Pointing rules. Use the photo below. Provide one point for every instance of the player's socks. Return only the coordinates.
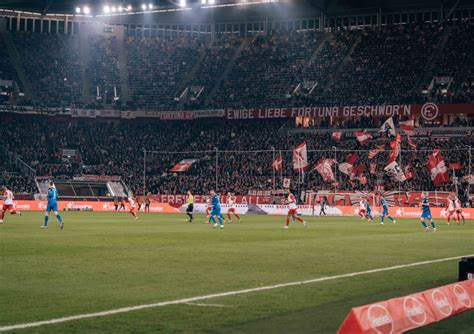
(433, 225)
(46, 218)
(212, 220)
(221, 222)
(238, 217)
(288, 220)
(59, 218)
(383, 220)
(424, 225)
(190, 217)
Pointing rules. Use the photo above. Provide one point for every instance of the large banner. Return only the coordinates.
(429, 111)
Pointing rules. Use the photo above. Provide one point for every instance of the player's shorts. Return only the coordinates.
(458, 210)
(292, 212)
(385, 212)
(369, 212)
(362, 212)
(52, 206)
(451, 212)
(8, 207)
(216, 211)
(190, 208)
(426, 214)
(231, 210)
(133, 210)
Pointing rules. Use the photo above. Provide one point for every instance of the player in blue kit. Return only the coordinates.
(216, 210)
(384, 205)
(426, 213)
(368, 212)
(52, 206)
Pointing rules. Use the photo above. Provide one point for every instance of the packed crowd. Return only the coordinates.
(52, 64)
(346, 67)
(116, 148)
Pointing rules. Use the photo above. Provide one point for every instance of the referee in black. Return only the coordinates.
(190, 208)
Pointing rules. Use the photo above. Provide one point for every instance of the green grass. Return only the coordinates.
(104, 261)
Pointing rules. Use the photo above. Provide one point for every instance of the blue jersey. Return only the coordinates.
(215, 201)
(425, 206)
(367, 206)
(52, 194)
(384, 204)
(52, 200)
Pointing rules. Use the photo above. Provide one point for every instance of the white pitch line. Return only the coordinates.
(206, 305)
(216, 295)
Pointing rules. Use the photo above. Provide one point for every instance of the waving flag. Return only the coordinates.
(408, 126)
(408, 172)
(388, 128)
(324, 167)
(395, 145)
(411, 143)
(363, 137)
(278, 163)
(346, 167)
(373, 152)
(183, 165)
(395, 172)
(455, 165)
(300, 158)
(336, 136)
(437, 168)
(373, 168)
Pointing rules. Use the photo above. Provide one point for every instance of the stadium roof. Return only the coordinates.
(328, 6)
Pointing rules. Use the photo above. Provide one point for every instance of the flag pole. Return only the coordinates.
(273, 169)
(217, 167)
(281, 169)
(144, 171)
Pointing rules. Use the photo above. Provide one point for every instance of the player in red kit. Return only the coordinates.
(458, 206)
(293, 211)
(231, 199)
(133, 206)
(8, 204)
(450, 208)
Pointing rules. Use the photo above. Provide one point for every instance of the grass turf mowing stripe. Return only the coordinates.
(217, 295)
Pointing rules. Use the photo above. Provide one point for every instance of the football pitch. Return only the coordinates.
(107, 261)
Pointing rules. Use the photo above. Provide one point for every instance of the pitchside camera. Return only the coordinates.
(466, 268)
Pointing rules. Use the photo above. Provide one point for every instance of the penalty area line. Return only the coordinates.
(217, 295)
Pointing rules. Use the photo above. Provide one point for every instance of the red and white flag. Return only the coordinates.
(373, 168)
(278, 163)
(411, 143)
(437, 168)
(300, 158)
(408, 172)
(183, 165)
(395, 145)
(455, 165)
(336, 136)
(286, 183)
(346, 167)
(408, 126)
(395, 172)
(363, 137)
(324, 167)
(373, 152)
